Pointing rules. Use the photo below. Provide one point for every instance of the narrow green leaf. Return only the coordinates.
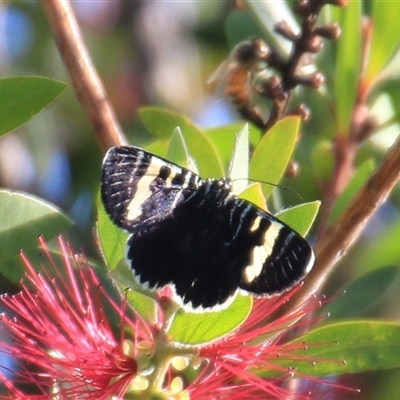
(23, 97)
(112, 240)
(322, 160)
(200, 328)
(223, 138)
(348, 64)
(349, 347)
(23, 218)
(361, 293)
(272, 155)
(254, 194)
(356, 183)
(385, 36)
(239, 168)
(300, 217)
(161, 123)
(177, 149)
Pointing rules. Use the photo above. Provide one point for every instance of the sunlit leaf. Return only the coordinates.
(239, 168)
(272, 155)
(177, 149)
(199, 328)
(300, 217)
(255, 195)
(23, 97)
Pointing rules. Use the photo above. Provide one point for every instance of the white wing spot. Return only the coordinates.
(261, 253)
(256, 224)
(253, 270)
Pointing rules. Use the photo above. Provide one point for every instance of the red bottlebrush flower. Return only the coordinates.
(60, 335)
(64, 344)
(234, 367)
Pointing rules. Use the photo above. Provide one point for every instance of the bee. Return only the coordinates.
(238, 73)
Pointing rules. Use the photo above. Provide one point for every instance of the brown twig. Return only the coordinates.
(346, 144)
(85, 81)
(347, 228)
(307, 41)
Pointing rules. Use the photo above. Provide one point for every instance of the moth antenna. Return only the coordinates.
(272, 184)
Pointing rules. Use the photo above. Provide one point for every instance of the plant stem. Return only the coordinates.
(85, 80)
(348, 227)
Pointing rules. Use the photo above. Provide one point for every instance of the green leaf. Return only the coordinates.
(112, 240)
(239, 168)
(177, 149)
(139, 298)
(199, 328)
(272, 155)
(241, 25)
(322, 160)
(23, 218)
(385, 20)
(361, 293)
(348, 64)
(269, 13)
(357, 181)
(223, 140)
(383, 250)
(348, 347)
(300, 217)
(23, 97)
(161, 123)
(254, 194)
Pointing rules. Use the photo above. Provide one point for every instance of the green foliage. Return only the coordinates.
(362, 293)
(300, 217)
(350, 347)
(23, 219)
(23, 97)
(348, 63)
(355, 184)
(272, 155)
(385, 37)
(161, 123)
(140, 300)
(222, 139)
(200, 328)
(111, 239)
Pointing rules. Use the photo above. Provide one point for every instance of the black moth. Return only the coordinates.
(195, 234)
